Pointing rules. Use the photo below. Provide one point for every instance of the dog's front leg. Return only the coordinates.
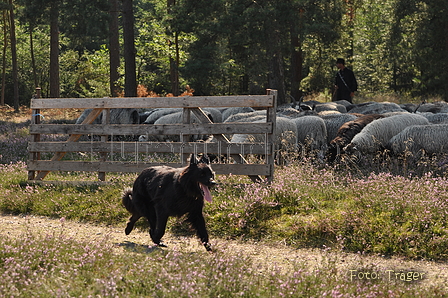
(198, 222)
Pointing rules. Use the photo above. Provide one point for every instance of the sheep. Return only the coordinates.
(358, 105)
(430, 138)
(158, 113)
(334, 121)
(330, 106)
(377, 133)
(377, 108)
(347, 132)
(289, 113)
(242, 117)
(235, 110)
(343, 102)
(117, 116)
(436, 118)
(215, 115)
(285, 134)
(325, 113)
(143, 115)
(311, 133)
(176, 118)
(410, 107)
(389, 114)
(435, 107)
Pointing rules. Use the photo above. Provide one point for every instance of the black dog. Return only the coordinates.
(161, 191)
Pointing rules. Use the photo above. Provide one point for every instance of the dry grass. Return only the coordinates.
(265, 256)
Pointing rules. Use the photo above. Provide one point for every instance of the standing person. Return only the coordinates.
(345, 82)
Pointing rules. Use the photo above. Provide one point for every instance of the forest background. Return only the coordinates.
(97, 48)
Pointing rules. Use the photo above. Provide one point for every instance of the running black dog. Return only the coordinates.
(161, 191)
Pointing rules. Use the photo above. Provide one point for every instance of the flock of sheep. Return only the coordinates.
(328, 129)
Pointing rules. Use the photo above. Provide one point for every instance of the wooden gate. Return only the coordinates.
(104, 146)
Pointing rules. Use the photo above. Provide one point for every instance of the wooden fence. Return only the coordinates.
(105, 146)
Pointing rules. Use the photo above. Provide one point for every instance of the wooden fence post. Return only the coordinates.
(271, 117)
(186, 119)
(35, 119)
(103, 155)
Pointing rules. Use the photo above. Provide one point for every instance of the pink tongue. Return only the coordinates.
(207, 194)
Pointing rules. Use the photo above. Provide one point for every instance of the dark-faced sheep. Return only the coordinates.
(377, 133)
(430, 138)
(347, 132)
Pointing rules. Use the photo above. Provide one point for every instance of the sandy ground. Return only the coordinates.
(349, 264)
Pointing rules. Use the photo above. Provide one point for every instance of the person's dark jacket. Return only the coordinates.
(344, 91)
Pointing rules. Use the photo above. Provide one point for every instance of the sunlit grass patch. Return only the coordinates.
(55, 265)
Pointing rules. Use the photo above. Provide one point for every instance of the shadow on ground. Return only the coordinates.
(139, 248)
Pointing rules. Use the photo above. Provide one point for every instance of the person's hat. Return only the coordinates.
(340, 61)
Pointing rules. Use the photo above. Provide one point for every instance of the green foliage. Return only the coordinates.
(84, 76)
(243, 47)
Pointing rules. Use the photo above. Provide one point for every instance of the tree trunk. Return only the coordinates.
(174, 61)
(296, 58)
(114, 48)
(351, 28)
(174, 67)
(54, 50)
(33, 60)
(5, 45)
(15, 71)
(446, 64)
(130, 81)
(276, 78)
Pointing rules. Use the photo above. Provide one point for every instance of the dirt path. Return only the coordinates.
(280, 255)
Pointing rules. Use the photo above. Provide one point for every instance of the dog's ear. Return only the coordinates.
(193, 160)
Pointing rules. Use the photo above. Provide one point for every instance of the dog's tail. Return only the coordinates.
(127, 201)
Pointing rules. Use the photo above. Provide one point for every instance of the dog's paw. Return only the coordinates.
(208, 246)
(160, 244)
(128, 229)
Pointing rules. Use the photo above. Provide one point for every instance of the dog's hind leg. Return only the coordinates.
(131, 222)
(198, 222)
(152, 220)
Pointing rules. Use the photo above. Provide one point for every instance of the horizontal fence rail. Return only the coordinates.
(151, 147)
(153, 129)
(254, 101)
(103, 148)
(131, 167)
